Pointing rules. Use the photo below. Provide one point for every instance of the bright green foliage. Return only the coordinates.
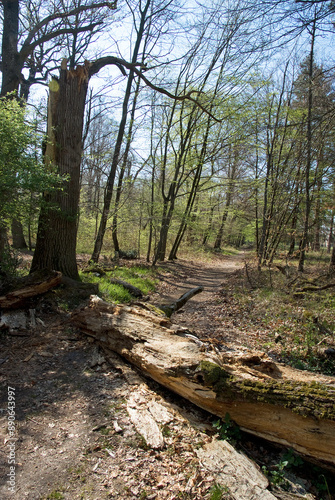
(228, 430)
(217, 492)
(21, 169)
(140, 277)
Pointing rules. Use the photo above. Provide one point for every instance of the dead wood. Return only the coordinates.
(235, 470)
(314, 288)
(35, 284)
(169, 309)
(266, 399)
(136, 292)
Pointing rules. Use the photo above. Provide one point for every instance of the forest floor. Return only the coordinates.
(74, 438)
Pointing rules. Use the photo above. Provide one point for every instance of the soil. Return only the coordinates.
(73, 437)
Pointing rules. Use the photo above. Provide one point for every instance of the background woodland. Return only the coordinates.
(144, 128)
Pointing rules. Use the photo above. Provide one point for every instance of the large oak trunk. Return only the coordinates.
(57, 228)
(269, 400)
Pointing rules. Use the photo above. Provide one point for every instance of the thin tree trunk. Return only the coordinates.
(209, 227)
(332, 260)
(304, 241)
(317, 231)
(151, 211)
(166, 220)
(330, 237)
(187, 213)
(192, 195)
(123, 169)
(111, 178)
(219, 236)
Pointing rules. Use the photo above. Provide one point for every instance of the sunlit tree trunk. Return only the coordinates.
(123, 169)
(57, 229)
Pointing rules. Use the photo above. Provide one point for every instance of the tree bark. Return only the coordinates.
(57, 228)
(117, 150)
(272, 401)
(179, 303)
(11, 65)
(17, 235)
(136, 292)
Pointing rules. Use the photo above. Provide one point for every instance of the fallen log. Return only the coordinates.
(270, 400)
(136, 292)
(30, 286)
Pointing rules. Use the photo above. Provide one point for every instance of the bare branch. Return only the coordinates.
(28, 49)
(121, 63)
(65, 15)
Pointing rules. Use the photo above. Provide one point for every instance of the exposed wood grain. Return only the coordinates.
(269, 400)
(235, 470)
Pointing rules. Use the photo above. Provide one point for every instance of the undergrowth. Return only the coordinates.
(300, 323)
(141, 277)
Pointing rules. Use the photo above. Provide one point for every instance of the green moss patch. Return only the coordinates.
(307, 399)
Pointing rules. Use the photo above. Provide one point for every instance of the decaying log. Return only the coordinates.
(275, 402)
(169, 309)
(136, 292)
(36, 283)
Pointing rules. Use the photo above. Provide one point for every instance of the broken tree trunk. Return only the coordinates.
(269, 400)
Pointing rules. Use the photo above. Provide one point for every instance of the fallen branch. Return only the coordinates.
(30, 286)
(136, 292)
(266, 399)
(314, 288)
(169, 309)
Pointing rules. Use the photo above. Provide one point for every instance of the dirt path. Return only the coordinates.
(210, 275)
(208, 314)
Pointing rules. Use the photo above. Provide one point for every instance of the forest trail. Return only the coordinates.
(190, 274)
(206, 314)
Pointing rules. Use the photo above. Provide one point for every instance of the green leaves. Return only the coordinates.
(21, 169)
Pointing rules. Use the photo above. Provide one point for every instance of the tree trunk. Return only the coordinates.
(3, 246)
(304, 242)
(209, 226)
(11, 66)
(332, 261)
(165, 225)
(17, 235)
(123, 168)
(116, 156)
(319, 182)
(57, 228)
(330, 236)
(272, 401)
(219, 236)
(187, 213)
